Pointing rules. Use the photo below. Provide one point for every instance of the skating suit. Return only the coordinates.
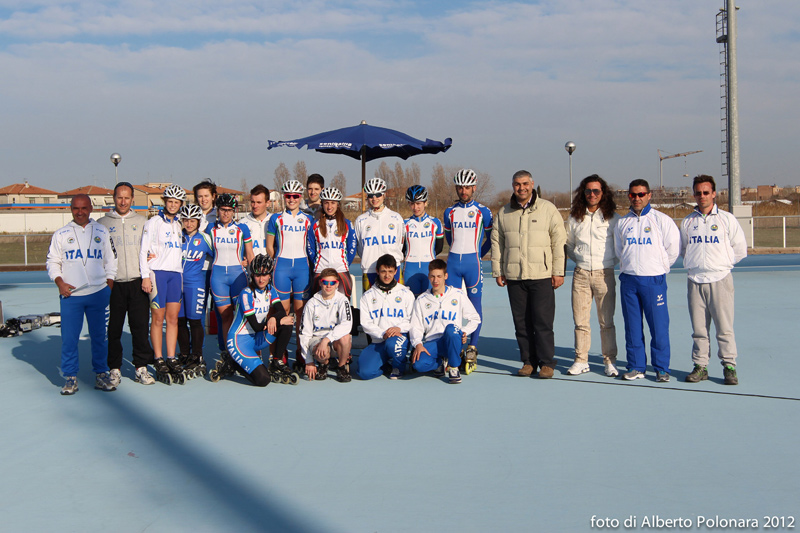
(437, 323)
(333, 251)
(422, 240)
(467, 228)
(378, 233)
(243, 342)
(196, 249)
(258, 232)
(381, 310)
(161, 239)
(228, 276)
(292, 265)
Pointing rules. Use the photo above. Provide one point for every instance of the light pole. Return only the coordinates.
(570, 147)
(116, 158)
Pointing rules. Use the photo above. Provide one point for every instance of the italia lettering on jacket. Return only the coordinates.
(97, 253)
(640, 240)
(448, 316)
(391, 312)
(382, 239)
(703, 239)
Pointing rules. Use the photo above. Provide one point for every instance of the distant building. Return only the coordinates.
(765, 192)
(25, 193)
(100, 197)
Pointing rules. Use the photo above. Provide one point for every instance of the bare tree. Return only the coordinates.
(299, 172)
(485, 187)
(281, 176)
(340, 182)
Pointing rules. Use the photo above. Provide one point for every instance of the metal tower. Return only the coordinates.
(729, 111)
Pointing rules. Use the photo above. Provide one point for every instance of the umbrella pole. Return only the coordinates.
(363, 177)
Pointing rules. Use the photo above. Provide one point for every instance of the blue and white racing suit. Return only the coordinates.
(423, 242)
(292, 265)
(467, 228)
(243, 342)
(228, 276)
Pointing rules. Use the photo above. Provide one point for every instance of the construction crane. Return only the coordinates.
(661, 159)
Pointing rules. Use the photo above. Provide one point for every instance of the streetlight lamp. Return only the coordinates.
(570, 147)
(116, 158)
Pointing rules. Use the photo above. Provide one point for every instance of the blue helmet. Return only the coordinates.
(417, 193)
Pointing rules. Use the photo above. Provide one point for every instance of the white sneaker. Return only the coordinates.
(143, 376)
(395, 374)
(103, 382)
(611, 370)
(116, 376)
(578, 368)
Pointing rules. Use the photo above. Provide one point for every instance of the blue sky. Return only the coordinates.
(189, 90)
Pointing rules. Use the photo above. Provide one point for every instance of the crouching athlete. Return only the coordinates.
(259, 320)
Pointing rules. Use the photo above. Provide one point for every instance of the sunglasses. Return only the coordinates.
(329, 283)
(596, 192)
(639, 194)
(375, 195)
(702, 193)
(292, 196)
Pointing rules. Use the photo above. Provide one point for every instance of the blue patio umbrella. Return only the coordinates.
(366, 143)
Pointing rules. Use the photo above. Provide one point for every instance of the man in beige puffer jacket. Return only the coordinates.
(528, 256)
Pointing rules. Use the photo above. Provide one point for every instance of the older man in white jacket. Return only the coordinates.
(82, 263)
(590, 244)
(712, 241)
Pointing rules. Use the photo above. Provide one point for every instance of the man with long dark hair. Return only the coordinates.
(590, 244)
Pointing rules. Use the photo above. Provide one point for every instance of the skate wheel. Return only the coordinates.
(213, 376)
(470, 367)
(293, 379)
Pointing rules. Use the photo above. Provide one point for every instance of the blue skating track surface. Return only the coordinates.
(496, 453)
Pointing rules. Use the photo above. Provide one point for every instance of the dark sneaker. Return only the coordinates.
(342, 374)
(440, 371)
(662, 377)
(700, 373)
(730, 375)
(104, 383)
(322, 372)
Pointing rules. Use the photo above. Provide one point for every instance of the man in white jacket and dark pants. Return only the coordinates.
(327, 321)
(712, 241)
(647, 243)
(590, 244)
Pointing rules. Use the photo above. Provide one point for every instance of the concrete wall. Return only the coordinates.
(37, 222)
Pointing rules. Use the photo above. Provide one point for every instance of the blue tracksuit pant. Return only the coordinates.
(645, 295)
(392, 350)
(447, 346)
(73, 309)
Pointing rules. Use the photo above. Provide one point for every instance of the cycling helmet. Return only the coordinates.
(226, 200)
(329, 193)
(292, 187)
(465, 177)
(174, 191)
(417, 193)
(191, 211)
(261, 265)
(375, 186)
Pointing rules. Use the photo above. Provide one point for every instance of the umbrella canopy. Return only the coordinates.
(366, 143)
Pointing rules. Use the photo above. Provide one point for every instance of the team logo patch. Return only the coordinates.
(426, 225)
(374, 301)
(471, 214)
(231, 231)
(369, 228)
(197, 242)
(454, 301)
(714, 227)
(134, 227)
(398, 299)
(97, 239)
(70, 240)
(427, 306)
(391, 226)
(647, 229)
(474, 290)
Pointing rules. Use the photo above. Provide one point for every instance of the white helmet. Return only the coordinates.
(329, 193)
(292, 187)
(375, 186)
(191, 211)
(465, 177)
(174, 191)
